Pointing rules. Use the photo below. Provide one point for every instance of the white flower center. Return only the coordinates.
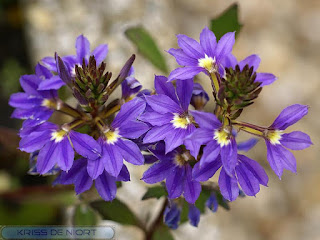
(208, 63)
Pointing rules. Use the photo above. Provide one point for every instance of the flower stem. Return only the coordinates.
(250, 128)
(156, 224)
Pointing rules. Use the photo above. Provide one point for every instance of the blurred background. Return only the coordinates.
(285, 34)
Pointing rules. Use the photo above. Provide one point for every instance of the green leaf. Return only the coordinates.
(226, 22)
(147, 46)
(155, 192)
(84, 215)
(115, 211)
(163, 232)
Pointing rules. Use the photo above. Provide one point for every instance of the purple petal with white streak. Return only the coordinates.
(130, 152)
(182, 58)
(48, 157)
(164, 87)
(85, 145)
(53, 83)
(185, 73)
(34, 141)
(155, 118)
(206, 120)
(184, 92)
(163, 104)
(30, 83)
(224, 46)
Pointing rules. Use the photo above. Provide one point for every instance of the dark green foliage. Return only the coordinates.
(147, 47)
(115, 211)
(226, 22)
(155, 192)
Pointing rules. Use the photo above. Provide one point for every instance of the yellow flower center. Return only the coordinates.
(47, 103)
(274, 136)
(58, 136)
(112, 136)
(222, 137)
(180, 122)
(207, 63)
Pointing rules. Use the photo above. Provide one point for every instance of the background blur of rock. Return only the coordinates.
(284, 33)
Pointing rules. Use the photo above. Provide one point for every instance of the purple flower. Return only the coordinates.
(130, 86)
(199, 97)
(171, 216)
(168, 113)
(248, 174)
(116, 145)
(252, 61)
(278, 156)
(82, 52)
(194, 215)
(173, 167)
(205, 57)
(35, 103)
(247, 145)
(55, 146)
(218, 139)
(104, 183)
(212, 202)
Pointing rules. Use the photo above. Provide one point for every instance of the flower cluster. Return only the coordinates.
(186, 145)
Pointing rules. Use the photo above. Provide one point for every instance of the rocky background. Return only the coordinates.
(285, 34)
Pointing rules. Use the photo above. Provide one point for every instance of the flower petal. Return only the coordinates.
(49, 63)
(255, 168)
(155, 118)
(65, 154)
(184, 92)
(208, 41)
(190, 46)
(229, 157)
(202, 174)
(70, 176)
(192, 188)
(34, 141)
(182, 58)
(212, 202)
(24, 101)
(247, 145)
(106, 186)
(53, 83)
(47, 157)
(42, 72)
(224, 46)
(175, 182)
(199, 137)
(133, 129)
(83, 181)
(163, 104)
(175, 138)
(82, 48)
(85, 145)
(228, 186)
(124, 174)
(112, 158)
(184, 73)
(158, 171)
(265, 78)
(100, 53)
(129, 112)
(252, 60)
(30, 83)
(206, 120)
(130, 152)
(194, 215)
(295, 140)
(289, 116)
(164, 87)
(210, 153)
(95, 168)
(158, 133)
(229, 61)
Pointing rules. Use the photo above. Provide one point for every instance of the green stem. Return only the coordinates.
(156, 224)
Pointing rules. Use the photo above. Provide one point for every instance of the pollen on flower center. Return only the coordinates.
(47, 103)
(58, 136)
(222, 137)
(180, 122)
(274, 136)
(207, 63)
(112, 136)
(182, 159)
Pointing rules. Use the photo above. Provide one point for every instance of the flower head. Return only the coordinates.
(277, 141)
(168, 113)
(205, 57)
